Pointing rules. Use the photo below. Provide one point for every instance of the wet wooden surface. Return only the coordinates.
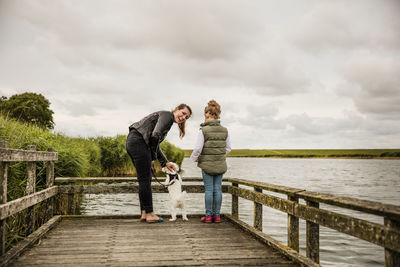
(129, 242)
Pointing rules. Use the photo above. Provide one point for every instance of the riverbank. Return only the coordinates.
(313, 153)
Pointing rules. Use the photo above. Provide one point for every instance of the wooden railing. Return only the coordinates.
(386, 235)
(7, 209)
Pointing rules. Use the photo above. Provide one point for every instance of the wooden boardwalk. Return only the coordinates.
(129, 242)
(122, 240)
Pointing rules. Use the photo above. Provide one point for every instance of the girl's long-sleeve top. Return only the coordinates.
(200, 143)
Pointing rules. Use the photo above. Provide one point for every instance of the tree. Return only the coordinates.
(28, 107)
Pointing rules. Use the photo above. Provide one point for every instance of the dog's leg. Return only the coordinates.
(184, 217)
(173, 212)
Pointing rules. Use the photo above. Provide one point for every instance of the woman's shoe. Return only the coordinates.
(155, 221)
(217, 219)
(206, 219)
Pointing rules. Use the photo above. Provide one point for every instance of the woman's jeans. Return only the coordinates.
(140, 155)
(213, 185)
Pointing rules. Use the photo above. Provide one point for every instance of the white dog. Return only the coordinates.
(176, 196)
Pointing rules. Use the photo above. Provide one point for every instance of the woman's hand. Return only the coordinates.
(171, 167)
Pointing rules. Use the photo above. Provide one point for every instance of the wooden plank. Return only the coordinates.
(49, 183)
(266, 186)
(288, 252)
(20, 204)
(258, 212)
(235, 203)
(125, 188)
(372, 207)
(29, 241)
(368, 231)
(72, 180)
(30, 189)
(13, 155)
(293, 228)
(123, 242)
(312, 236)
(3, 200)
(392, 258)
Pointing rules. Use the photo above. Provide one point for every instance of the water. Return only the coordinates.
(377, 180)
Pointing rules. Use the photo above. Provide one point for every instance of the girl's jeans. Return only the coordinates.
(212, 184)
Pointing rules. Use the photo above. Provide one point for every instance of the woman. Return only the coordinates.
(212, 145)
(143, 146)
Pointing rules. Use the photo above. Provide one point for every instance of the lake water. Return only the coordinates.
(377, 180)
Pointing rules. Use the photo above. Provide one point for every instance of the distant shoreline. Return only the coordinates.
(313, 153)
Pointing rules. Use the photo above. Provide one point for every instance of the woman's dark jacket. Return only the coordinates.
(154, 129)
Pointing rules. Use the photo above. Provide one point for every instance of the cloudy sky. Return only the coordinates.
(288, 74)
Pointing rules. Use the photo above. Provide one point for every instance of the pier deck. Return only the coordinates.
(117, 240)
(129, 242)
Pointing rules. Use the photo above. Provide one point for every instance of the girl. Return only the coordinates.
(212, 145)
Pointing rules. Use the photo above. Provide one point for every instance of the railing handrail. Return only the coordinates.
(386, 235)
(72, 180)
(367, 206)
(17, 205)
(31, 156)
(15, 155)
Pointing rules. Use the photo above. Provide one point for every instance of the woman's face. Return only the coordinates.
(181, 115)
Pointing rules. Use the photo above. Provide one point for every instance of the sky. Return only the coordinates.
(310, 74)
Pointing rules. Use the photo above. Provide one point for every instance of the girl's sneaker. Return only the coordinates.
(217, 219)
(206, 219)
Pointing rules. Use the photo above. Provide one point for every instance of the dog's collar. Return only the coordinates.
(172, 178)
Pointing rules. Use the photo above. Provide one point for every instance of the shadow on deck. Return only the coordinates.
(85, 241)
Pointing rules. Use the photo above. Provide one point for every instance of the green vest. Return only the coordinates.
(212, 158)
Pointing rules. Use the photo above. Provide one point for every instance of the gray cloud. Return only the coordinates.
(211, 48)
(284, 73)
(322, 126)
(209, 29)
(373, 82)
(337, 25)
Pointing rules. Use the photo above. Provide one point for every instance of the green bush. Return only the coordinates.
(114, 159)
(172, 153)
(77, 157)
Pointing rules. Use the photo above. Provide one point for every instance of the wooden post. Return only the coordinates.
(258, 212)
(312, 236)
(392, 258)
(71, 204)
(30, 189)
(3, 199)
(293, 227)
(50, 183)
(235, 204)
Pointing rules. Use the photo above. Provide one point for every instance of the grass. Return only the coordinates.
(311, 153)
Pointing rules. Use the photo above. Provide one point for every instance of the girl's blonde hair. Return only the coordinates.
(213, 108)
(181, 125)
